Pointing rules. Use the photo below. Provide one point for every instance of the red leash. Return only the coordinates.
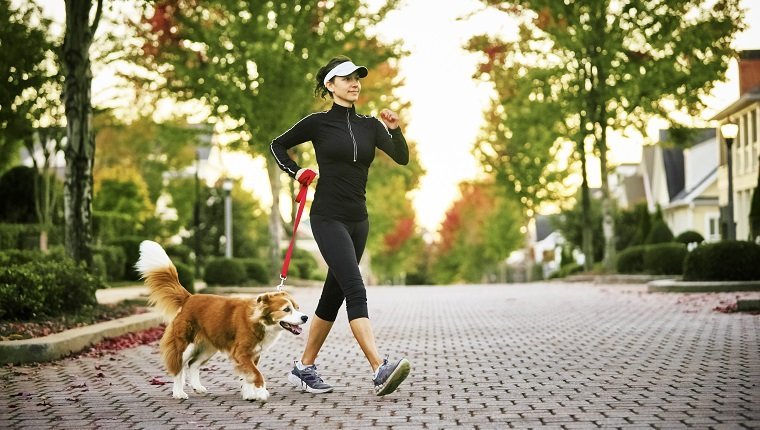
(301, 199)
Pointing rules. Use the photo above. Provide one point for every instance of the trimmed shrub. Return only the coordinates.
(567, 270)
(255, 270)
(728, 260)
(45, 288)
(689, 236)
(631, 260)
(660, 233)
(131, 247)
(224, 271)
(665, 258)
(186, 276)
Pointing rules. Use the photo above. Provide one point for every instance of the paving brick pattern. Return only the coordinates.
(555, 355)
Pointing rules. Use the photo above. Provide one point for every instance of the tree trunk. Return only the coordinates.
(275, 219)
(608, 220)
(80, 147)
(588, 234)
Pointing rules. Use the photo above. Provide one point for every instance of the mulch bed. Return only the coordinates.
(17, 330)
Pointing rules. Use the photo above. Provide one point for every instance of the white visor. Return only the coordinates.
(345, 69)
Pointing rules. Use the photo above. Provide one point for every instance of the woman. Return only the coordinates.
(344, 143)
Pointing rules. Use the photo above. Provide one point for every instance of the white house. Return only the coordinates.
(746, 147)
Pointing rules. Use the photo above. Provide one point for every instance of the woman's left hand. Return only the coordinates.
(389, 118)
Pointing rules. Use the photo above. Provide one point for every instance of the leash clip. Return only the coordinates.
(282, 282)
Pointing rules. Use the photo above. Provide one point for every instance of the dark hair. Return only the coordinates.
(320, 89)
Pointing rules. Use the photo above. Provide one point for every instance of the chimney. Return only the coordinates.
(749, 71)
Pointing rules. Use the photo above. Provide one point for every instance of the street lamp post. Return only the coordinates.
(227, 186)
(729, 131)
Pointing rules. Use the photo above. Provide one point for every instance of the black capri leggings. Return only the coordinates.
(342, 245)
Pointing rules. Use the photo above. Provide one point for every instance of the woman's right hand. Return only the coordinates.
(305, 176)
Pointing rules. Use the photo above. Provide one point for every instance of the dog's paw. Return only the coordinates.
(251, 392)
(179, 394)
(200, 389)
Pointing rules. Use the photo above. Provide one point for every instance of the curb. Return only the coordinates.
(61, 344)
(674, 286)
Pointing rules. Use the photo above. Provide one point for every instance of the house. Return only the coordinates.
(745, 150)
(679, 175)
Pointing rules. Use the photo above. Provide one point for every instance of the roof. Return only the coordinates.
(672, 160)
(544, 227)
(748, 98)
(688, 196)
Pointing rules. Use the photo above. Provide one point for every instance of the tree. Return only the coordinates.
(252, 64)
(80, 146)
(626, 61)
(478, 232)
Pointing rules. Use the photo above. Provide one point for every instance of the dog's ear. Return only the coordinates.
(263, 298)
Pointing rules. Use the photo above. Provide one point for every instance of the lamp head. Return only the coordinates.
(227, 185)
(729, 130)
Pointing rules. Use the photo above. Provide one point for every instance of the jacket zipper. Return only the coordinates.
(348, 120)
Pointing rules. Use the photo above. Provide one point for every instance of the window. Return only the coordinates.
(753, 116)
(713, 227)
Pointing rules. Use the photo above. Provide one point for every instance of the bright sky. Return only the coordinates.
(446, 104)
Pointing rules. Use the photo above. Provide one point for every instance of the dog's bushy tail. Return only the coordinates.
(160, 275)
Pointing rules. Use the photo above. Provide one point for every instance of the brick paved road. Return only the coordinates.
(552, 355)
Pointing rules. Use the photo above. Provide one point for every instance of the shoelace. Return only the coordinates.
(310, 374)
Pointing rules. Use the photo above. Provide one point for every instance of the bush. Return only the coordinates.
(689, 236)
(186, 276)
(17, 191)
(131, 247)
(255, 270)
(224, 271)
(110, 226)
(45, 288)
(660, 233)
(20, 236)
(665, 258)
(567, 270)
(114, 259)
(631, 260)
(723, 261)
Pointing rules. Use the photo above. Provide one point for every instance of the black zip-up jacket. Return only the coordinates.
(344, 143)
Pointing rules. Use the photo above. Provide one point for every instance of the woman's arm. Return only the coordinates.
(390, 140)
(301, 132)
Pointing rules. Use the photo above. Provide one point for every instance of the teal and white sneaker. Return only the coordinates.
(307, 379)
(390, 376)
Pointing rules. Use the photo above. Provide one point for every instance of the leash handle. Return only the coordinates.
(301, 199)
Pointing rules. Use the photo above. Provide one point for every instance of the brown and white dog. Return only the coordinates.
(199, 325)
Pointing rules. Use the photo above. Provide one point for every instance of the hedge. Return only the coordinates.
(665, 258)
(224, 271)
(689, 236)
(131, 247)
(631, 259)
(723, 261)
(45, 288)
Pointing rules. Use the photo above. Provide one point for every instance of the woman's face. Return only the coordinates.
(345, 89)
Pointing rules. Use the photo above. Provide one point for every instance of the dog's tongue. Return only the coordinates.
(296, 329)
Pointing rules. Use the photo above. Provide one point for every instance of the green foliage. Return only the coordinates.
(660, 233)
(123, 191)
(186, 276)
(108, 226)
(17, 191)
(131, 247)
(689, 236)
(180, 253)
(19, 236)
(224, 271)
(631, 260)
(632, 226)
(479, 231)
(45, 288)
(567, 269)
(256, 271)
(665, 258)
(114, 259)
(723, 261)
(570, 223)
